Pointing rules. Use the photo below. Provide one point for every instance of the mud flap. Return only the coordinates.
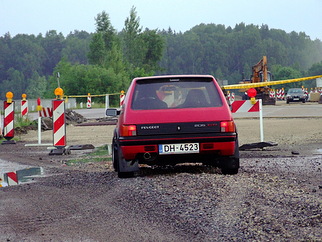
(128, 166)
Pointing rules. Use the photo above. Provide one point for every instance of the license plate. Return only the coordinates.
(168, 149)
(296, 98)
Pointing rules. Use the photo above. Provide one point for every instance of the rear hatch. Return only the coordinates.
(182, 105)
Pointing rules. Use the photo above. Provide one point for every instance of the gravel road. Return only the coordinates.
(277, 195)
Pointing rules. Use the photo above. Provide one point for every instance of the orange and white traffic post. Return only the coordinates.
(59, 123)
(9, 116)
(24, 105)
(89, 101)
(122, 97)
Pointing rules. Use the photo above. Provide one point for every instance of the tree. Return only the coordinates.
(133, 48)
(97, 53)
(37, 86)
(15, 83)
(315, 69)
(104, 26)
(77, 47)
(154, 49)
(53, 45)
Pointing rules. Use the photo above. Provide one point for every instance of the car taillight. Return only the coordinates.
(128, 130)
(227, 126)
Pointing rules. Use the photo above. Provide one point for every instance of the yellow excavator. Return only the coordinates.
(261, 79)
(260, 74)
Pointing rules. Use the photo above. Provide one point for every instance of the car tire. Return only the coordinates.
(287, 101)
(303, 101)
(114, 157)
(230, 165)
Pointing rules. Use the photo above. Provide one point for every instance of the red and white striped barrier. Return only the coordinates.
(59, 127)
(8, 122)
(45, 112)
(12, 178)
(247, 106)
(122, 97)
(89, 101)
(244, 106)
(272, 93)
(24, 108)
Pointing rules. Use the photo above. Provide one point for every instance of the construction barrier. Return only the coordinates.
(45, 112)
(245, 106)
(11, 178)
(59, 127)
(8, 122)
(248, 106)
(24, 106)
(19, 176)
(89, 101)
(122, 97)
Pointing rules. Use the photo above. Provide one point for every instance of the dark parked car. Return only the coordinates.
(167, 120)
(296, 95)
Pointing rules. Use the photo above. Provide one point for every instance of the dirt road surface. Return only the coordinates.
(277, 195)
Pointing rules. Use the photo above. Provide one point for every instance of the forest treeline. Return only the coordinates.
(107, 60)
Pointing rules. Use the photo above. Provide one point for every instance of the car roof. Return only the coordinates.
(172, 76)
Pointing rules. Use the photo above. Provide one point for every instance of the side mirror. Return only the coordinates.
(112, 112)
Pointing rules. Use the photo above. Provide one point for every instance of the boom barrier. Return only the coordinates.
(270, 83)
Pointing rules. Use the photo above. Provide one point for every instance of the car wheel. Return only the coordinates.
(303, 101)
(230, 165)
(287, 101)
(115, 157)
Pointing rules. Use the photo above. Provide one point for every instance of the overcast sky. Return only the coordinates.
(40, 16)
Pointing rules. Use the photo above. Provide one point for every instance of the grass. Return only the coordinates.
(98, 155)
(20, 122)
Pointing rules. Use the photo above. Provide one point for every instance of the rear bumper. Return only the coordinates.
(223, 145)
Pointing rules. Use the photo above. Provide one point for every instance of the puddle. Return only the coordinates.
(20, 176)
(318, 152)
(7, 166)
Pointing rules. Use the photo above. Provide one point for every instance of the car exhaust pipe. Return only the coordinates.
(147, 156)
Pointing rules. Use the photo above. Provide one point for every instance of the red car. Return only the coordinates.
(166, 120)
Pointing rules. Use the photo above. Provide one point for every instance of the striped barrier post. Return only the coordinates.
(122, 97)
(8, 122)
(59, 126)
(247, 106)
(24, 105)
(272, 93)
(89, 101)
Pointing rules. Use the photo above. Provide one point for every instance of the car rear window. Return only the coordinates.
(175, 93)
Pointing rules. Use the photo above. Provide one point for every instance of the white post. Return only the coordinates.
(39, 130)
(107, 102)
(261, 120)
